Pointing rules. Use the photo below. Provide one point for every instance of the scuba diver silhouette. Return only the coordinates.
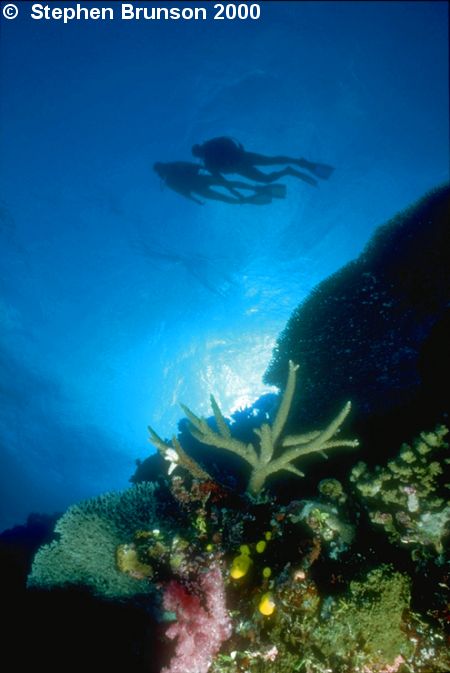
(213, 273)
(187, 179)
(225, 155)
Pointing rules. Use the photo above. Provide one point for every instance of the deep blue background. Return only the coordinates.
(119, 299)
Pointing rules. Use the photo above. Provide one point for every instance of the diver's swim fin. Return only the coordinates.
(301, 175)
(258, 199)
(319, 170)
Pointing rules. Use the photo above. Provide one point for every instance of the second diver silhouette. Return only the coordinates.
(226, 155)
(213, 273)
(187, 179)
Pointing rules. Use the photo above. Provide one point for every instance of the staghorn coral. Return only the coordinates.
(275, 452)
(177, 457)
(90, 535)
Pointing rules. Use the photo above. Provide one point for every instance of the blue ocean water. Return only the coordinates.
(120, 298)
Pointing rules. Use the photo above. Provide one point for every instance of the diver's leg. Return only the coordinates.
(258, 198)
(218, 179)
(256, 159)
(262, 160)
(234, 185)
(208, 193)
(319, 170)
(238, 184)
(301, 176)
(253, 173)
(269, 189)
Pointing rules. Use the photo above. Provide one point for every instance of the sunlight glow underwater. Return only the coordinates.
(101, 339)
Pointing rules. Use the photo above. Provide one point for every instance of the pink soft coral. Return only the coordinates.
(200, 630)
(388, 668)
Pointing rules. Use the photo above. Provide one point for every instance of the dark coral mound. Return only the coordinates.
(66, 628)
(377, 331)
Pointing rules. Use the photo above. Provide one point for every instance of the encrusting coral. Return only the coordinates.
(264, 460)
(409, 497)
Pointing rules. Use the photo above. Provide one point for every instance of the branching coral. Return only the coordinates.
(177, 457)
(274, 454)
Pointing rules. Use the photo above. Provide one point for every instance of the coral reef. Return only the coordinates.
(362, 332)
(368, 629)
(264, 461)
(408, 497)
(241, 581)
